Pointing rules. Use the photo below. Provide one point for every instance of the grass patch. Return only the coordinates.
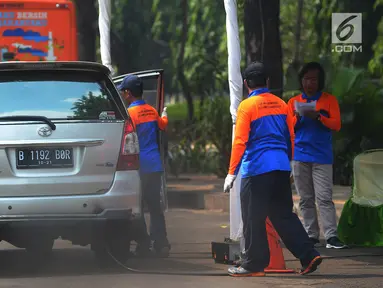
(179, 111)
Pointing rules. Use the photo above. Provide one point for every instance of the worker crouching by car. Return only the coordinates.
(147, 123)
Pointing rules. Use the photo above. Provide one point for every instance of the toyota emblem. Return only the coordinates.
(45, 131)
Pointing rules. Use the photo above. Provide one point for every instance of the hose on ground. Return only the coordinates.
(186, 273)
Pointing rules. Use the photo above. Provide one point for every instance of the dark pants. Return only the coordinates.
(151, 194)
(270, 195)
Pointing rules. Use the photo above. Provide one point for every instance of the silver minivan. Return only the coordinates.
(69, 156)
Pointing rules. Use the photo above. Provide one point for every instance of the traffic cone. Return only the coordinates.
(277, 260)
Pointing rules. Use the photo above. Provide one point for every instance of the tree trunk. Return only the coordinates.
(262, 39)
(180, 65)
(370, 23)
(118, 53)
(87, 16)
(298, 29)
(318, 27)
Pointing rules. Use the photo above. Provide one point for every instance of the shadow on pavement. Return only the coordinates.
(64, 262)
(369, 255)
(81, 261)
(332, 276)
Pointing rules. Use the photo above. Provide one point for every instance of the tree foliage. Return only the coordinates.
(204, 57)
(90, 106)
(376, 63)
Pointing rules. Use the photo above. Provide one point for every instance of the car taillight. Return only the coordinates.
(129, 155)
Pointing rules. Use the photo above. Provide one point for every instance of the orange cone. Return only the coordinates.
(277, 260)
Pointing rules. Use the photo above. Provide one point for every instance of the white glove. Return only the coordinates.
(164, 113)
(229, 182)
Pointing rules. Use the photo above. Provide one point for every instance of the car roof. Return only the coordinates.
(54, 65)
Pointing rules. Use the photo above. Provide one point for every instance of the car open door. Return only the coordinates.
(153, 81)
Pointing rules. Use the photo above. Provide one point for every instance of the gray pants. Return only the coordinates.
(314, 182)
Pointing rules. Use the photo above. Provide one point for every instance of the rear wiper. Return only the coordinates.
(29, 118)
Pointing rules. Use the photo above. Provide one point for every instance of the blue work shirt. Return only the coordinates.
(147, 123)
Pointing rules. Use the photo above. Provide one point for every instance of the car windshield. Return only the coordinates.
(56, 95)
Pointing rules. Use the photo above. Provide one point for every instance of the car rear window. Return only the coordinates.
(74, 95)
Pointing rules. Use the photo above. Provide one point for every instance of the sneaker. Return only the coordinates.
(335, 243)
(242, 272)
(312, 266)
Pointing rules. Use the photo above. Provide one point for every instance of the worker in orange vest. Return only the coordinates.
(147, 123)
(262, 148)
(313, 156)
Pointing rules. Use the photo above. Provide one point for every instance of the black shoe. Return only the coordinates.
(162, 252)
(143, 251)
(335, 243)
(312, 266)
(242, 272)
(315, 241)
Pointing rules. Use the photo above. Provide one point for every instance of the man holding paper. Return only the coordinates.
(316, 115)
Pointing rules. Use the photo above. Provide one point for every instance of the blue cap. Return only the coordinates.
(255, 69)
(130, 82)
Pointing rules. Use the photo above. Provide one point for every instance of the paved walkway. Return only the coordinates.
(190, 232)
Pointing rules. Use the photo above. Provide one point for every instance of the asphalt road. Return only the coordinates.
(190, 233)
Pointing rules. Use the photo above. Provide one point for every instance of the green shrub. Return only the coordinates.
(203, 146)
(361, 106)
(216, 128)
(179, 111)
(178, 122)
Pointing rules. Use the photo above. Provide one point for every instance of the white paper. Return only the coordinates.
(303, 107)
